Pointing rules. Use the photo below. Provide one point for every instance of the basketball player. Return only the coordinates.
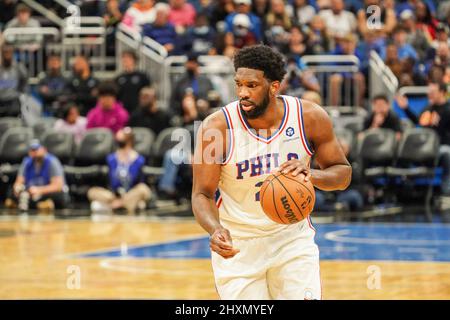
(252, 256)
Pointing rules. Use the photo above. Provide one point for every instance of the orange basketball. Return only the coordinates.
(287, 199)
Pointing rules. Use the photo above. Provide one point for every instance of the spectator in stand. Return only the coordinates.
(149, 115)
(382, 116)
(161, 30)
(40, 182)
(83, 85)
(339, 22)
(298, 79)
(260, 8)
(53, 85)
(415, 37)
(181, 15)
(425, 20)
(190, 88)
(141, 12)
(200, 38)
(108, 113)
(71, 122)
(442, 35)
(437, 117)
(404, 49)
(220, 10)
(318, 37)
(130, 81)
(112, 16)
(23, 19)
(243, 7)
(277, 25)
(347, 46)
(242, 34)
(13, 83)
(392, 60)
(127, 189)
(382, 20)
(303, 12)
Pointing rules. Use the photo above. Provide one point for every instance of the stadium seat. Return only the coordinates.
(60, 144)
(376, 151)
(94, 147)
(164, 142)
(42, 126)
(417, 157)
(349, 137)
(143, 141)
(13, 148)
(9, 122)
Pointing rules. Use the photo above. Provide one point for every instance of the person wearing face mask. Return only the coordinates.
(13, 82)
(199, 38)
(126, 187)
(40, 182)
(193, 84)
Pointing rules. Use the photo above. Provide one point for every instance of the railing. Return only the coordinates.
(324, 66)
(50, 15)
(32, 54)
(87, 39)
(381, 78)
(150, 53)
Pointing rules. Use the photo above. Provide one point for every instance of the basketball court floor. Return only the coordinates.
(168, 258)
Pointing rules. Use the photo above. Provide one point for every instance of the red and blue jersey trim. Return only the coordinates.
(267, 140)
(305, 143)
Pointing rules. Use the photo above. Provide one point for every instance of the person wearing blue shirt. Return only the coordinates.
(127, 189)
(405, 50)
(161, 30)
(40, 182)
(244, 7)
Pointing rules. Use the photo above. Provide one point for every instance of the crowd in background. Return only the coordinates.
(411, 36)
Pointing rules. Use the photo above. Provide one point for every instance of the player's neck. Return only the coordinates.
(272, 118)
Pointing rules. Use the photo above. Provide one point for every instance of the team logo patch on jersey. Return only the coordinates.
(290, 132)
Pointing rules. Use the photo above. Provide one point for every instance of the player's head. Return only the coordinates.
(259, 72)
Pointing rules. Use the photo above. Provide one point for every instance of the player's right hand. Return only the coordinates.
(221, 243)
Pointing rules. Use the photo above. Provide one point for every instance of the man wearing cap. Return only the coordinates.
(244, 7)
(40, 182)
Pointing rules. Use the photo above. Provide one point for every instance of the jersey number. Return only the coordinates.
(258, 185)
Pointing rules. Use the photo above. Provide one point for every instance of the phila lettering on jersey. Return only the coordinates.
(249, 161)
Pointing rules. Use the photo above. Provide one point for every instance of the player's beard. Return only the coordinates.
(258, 110)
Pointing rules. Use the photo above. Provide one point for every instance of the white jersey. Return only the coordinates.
(250, 159)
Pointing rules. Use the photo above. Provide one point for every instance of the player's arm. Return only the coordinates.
(335, 171)
(206, 175)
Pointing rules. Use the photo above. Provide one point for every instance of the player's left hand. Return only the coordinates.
(296, 167)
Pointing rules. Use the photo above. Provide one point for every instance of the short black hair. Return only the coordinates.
(381, 96)
(442, 87)
(107, 88)
(66, 109)
(261, 57)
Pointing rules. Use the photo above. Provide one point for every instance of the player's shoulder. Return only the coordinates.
(218, 119)
(312, 112)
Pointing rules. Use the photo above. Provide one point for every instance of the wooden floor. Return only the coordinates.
(36, 261)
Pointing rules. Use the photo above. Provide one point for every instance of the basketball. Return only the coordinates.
(287, 199)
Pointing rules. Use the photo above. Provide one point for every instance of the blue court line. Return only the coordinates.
(386, 242)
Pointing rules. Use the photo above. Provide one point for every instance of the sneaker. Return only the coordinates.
(46, 205)
(97, 206)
